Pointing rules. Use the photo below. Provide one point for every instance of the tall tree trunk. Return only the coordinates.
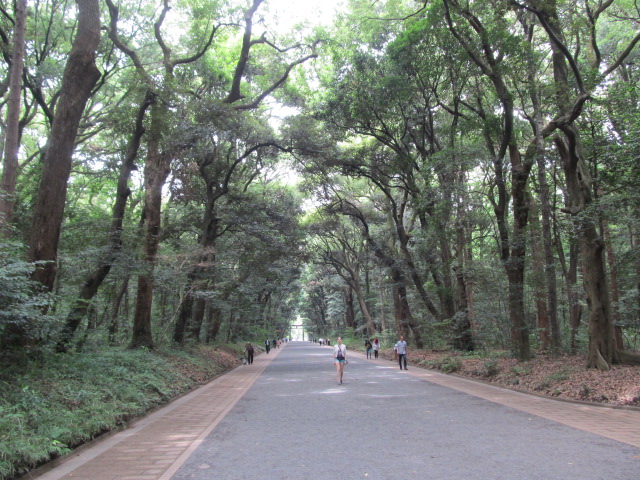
(613, 275)
(156, 170)
(215, 323)
(404, 318)
(349, 313)
(447, 295)
(204, 273)
(515, 260)
(91, 285)
(79, 78)
(575, 306)
(539, 279)
(381, 291)
(463, 332)
(200, 307)
(371, 329)
(550, 317)
(12, 135)
(549, 261)
(115, 310)
(184, 315)
(403, 240)
(602, 352)
(468, 256)
(447, 180)
(570, 273)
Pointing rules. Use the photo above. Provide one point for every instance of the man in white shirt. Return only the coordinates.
(401, 350)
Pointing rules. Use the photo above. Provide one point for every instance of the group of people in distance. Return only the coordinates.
(340, 354)
(369, 347)
(268, 345)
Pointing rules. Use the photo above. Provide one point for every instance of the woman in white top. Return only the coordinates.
(340, 359)
(376, 347)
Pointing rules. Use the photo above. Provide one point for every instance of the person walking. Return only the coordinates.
(267, 345)
(376, 347)
(401, 350)
(249, 351)
(339, 359)
(368, 347)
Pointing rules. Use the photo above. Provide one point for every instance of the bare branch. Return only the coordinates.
(554, 38)
(234, 93)
(622, 56)
(277, 84)
(204, 49)
(113, 35)
(166, 51)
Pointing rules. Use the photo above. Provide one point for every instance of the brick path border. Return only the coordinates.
(154, 447)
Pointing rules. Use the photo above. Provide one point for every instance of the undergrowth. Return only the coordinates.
(51, 406)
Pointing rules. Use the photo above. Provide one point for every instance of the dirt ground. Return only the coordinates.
(561, 377)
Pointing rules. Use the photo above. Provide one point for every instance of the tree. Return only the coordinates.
(570, 104)
(12, 136)
(80, 76)
(229, 143)
(405, 321)
(91, 284)
(160, 153)
(338, 246)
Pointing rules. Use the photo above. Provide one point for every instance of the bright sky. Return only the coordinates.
(290, 12)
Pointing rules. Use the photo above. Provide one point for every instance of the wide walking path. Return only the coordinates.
(158, 445)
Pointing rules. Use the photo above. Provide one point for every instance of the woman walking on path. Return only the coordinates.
(376, 347)
(340, 359)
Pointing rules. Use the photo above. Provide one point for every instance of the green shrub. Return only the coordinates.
(24, 328)
(548, 381)
(51, 406)
(445, 364)
(490, 368)
(519, 370)
(559, 376)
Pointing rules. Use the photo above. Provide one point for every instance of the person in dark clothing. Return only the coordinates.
(368, 347)
(267, 345)
(249, 352)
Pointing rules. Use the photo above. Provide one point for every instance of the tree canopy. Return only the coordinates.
(461, 173)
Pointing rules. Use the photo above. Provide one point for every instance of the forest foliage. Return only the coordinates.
(179, 173)
(463, 173)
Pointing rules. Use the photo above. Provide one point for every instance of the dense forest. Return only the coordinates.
(464, 173)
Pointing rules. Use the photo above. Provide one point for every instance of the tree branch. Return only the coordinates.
(234, 93)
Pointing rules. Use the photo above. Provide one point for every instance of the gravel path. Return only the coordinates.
(295, 422)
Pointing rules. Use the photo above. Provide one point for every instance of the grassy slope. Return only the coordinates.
(51, 406)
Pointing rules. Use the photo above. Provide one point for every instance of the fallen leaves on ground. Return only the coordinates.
(563, 377)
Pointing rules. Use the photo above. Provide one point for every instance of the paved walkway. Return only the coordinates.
(156, 446)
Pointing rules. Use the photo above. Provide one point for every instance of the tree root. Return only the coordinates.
(596, 360)
(628, 358)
